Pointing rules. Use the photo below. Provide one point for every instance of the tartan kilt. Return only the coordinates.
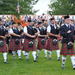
(13, 46)
(4, 48)
(40, 45)
(26, 45)
(74, 37)
(65, 51)
(49, 45)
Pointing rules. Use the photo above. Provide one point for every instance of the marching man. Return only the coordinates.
(3, 46)
(15, 40)
(29, 41)
(52, 42)
(42, 36)
(67, 33)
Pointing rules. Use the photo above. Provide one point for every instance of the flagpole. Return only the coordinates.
(18, 7)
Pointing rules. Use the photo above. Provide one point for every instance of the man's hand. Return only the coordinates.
(36, 34)
(69, 31)
(58, 36)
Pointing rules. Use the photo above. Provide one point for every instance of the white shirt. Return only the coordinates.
(10, 31)
(67, 25)
(49, 29)
(25, 29)
(54, 26)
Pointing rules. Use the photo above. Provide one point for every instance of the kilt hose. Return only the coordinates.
(13, 46)
(41, 46)
(22, 42)
(26, 45)
(4, 47)
(49, 45)
(66, 51)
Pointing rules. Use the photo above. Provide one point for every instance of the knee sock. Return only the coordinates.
(23, 53)
(63, 60)
(5, 56)
(27, 55)
(45, 52)
(19, 53)
(73, 61)
(38, 52)
(34, 55)
(58, 54)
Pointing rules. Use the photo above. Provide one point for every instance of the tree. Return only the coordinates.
(10, 6)
(63, 7)
(7, 6)
(27, 5)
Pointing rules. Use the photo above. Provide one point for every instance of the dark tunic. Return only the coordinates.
(3, 32)
(42, 40)
(67, 37)
(12, 44)
(28, 40)
(49, 44)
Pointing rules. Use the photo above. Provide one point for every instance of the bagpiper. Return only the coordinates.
(52, 43)
(67, 33)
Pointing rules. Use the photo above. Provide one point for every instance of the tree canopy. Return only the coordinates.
(10, 6)
(62, 7)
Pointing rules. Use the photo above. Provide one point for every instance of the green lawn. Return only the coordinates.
(42, 67)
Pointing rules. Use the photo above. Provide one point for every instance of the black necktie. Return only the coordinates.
(69, 26)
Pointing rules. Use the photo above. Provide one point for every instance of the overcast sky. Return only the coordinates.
(42, 6)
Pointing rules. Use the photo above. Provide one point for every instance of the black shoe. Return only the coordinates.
(36, 57)
(62, 66)
(58, 59)
(6, 62)
(35, 60)
(50, 58)
(73, 68)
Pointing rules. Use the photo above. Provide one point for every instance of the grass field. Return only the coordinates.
(42, 67)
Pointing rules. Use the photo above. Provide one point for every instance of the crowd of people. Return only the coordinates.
(39, 34)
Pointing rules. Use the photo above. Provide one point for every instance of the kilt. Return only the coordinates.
(26, 45)
(13, 46)
(40, 45)
(4, 48)
(49, 45)
(65, 51)
(74, 37)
